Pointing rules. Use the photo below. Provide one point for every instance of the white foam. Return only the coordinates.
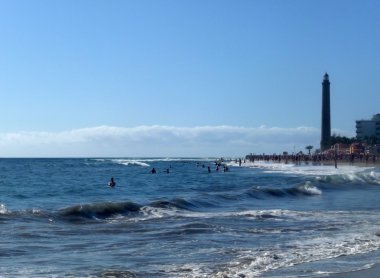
(357, 236)
(128, 162)
(375, 176)
(309, 189)
(144, 162)
(3, 209)
(347, 172)
(164, 159)
(252, 263)
(148, 212)
(169, 159)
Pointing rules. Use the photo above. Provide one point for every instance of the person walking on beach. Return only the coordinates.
(336, 159)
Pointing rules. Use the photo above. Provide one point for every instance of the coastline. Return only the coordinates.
(347, 163)
(322, 163)
(328, 162)
(361, 161)
(372, 272)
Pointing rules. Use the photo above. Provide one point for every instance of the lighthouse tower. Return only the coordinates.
(326, 117)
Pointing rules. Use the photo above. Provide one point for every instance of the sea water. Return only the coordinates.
(58, 218)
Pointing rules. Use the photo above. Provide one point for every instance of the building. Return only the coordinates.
(369, 129)
(341, 148)
(357, 148)
(326, 117)
(373, 150)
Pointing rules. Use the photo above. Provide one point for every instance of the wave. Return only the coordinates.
(178, 203)
(348, 240)
(367, 177)
(301, 190)
(130, 162)
(252, 263)
(145, 161)
(177, 207)
(99, 210)
(128, 210)
(170, 159)
(125, 162)
(3, 209)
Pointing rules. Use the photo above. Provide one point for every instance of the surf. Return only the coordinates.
(303, 190)
(344, 173)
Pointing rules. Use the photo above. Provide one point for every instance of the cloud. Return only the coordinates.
(158, 140)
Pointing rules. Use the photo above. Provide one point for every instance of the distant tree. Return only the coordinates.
(309, 148)
(370, 140)
(337, 139)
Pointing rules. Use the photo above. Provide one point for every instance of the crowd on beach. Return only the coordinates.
(315, 158)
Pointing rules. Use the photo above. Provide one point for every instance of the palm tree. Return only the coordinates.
(309, 148)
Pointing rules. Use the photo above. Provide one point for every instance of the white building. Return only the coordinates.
(366, 129)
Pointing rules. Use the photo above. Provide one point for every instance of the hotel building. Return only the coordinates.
(366, 129)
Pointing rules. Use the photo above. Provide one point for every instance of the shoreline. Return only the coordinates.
(372, 272)
(322, 163)
(328, 162)
(358, 164)
(317, 159)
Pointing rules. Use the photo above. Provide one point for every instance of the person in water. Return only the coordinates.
(112, 183)
(153, 171)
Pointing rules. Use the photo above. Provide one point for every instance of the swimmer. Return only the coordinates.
(112, 183)
(153, 171)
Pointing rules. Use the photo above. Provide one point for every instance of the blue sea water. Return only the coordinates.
(58, 218)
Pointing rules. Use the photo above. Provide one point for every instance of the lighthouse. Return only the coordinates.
(326, 116)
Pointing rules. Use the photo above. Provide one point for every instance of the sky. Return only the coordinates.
(195, 78)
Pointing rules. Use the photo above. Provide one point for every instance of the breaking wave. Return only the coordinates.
(130, 162)
(144, 162)
(3, 209)
(253, 263)
(100, 210)
(301, 190)
(131, 210)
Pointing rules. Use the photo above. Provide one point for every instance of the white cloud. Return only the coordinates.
(158, 141)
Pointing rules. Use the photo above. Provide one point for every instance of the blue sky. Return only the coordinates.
(182, 78)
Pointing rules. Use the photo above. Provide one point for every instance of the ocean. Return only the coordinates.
(59, 218)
